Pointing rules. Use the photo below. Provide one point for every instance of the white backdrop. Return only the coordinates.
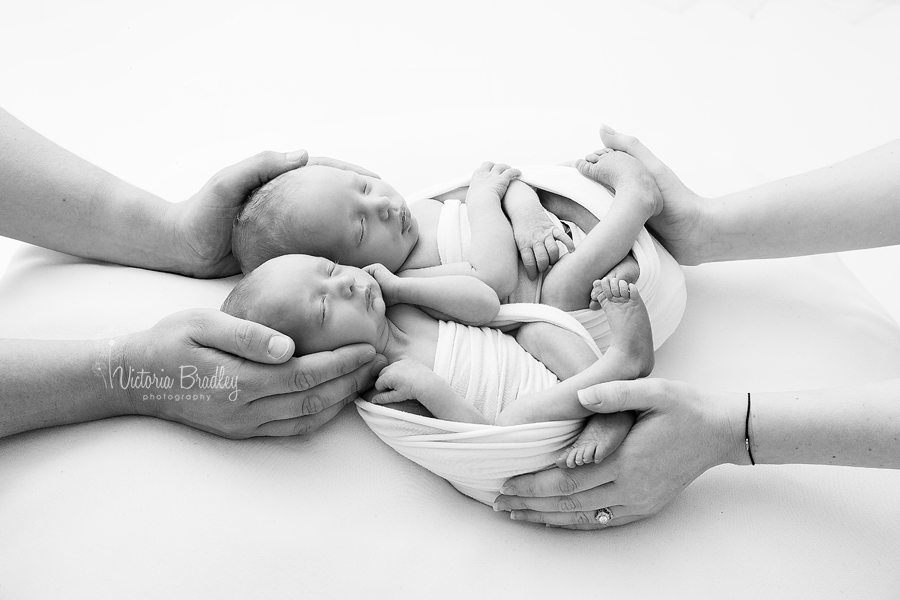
(730, 94)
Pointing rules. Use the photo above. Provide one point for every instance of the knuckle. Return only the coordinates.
(582, 518)
(304, 379)
(312, 404)
(565, 485)
(219, 181)
(568, 504)
(304, 426)
(245, 336)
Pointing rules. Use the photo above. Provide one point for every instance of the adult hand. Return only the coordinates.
(679, 227)
(202, 225)
(233, 377)
(680, 432)
(536, 238)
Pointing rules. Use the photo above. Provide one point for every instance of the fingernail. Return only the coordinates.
(607, 129)
(366, 357)
(513, 516)
(584, 399)
(508, 490)
(278, 346)
(295, 155)
(498, 506)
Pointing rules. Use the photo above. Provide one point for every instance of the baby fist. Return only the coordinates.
(493, 179)
(387, 281)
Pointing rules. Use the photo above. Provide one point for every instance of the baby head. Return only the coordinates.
(317, 303)
(324, 211)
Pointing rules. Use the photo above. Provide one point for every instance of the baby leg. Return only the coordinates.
(639, 350)
(561, 351)
(567, 285)
(630, 356)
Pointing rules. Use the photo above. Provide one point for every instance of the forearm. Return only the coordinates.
(441, 401)
(49, 383)
(51, 198)
(849, 205)
(458, 297)
(856, 426)
(492, 250)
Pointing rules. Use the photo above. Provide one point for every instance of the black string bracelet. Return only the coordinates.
(747, 432)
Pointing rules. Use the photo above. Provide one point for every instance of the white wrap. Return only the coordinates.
(477, 459)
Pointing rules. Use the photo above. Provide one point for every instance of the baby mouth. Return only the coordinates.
(404, 219)
(369, 298)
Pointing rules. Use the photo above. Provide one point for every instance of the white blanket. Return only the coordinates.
(477, 459)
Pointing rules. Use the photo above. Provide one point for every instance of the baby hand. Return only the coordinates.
(387, 281)
(492, 179)
(400, 381)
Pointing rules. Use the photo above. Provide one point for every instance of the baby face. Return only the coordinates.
(331, 305)
(361, 220)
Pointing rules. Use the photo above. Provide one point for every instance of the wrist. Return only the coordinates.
(733, 419)
(116, 385)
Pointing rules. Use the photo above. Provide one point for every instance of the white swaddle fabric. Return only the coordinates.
(477, 459)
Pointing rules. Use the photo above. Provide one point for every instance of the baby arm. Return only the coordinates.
(492, 251)
(408, 379)
(451, 298)
(534, 232)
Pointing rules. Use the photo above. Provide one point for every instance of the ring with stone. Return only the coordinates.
(603, 516)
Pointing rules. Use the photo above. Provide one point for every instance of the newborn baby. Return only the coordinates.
(357, 220)
(322, 306)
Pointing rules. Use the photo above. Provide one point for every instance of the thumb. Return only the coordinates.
(618, 396)
(237, 181)
(242, 338)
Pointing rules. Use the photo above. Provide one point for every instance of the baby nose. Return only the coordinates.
(345, 285)
(384, 207)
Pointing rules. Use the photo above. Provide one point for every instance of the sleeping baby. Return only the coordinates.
(356, 220)
(322, 305)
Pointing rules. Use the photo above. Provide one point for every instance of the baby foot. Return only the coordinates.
(584, 451)
(600, 437)
(629, 324)
(492, 179)
(627, 270)
(619, 170)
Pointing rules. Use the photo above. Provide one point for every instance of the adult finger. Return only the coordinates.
(219, 330)
(603, 493)
(586, 519)
(301, 425)
(558, 482)
(619, 396)
(529, 262)
(630, 144)
(290, 406)
(613, 523)
(334, 390)
(340, 164)
(313, 370)
(237, 181)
